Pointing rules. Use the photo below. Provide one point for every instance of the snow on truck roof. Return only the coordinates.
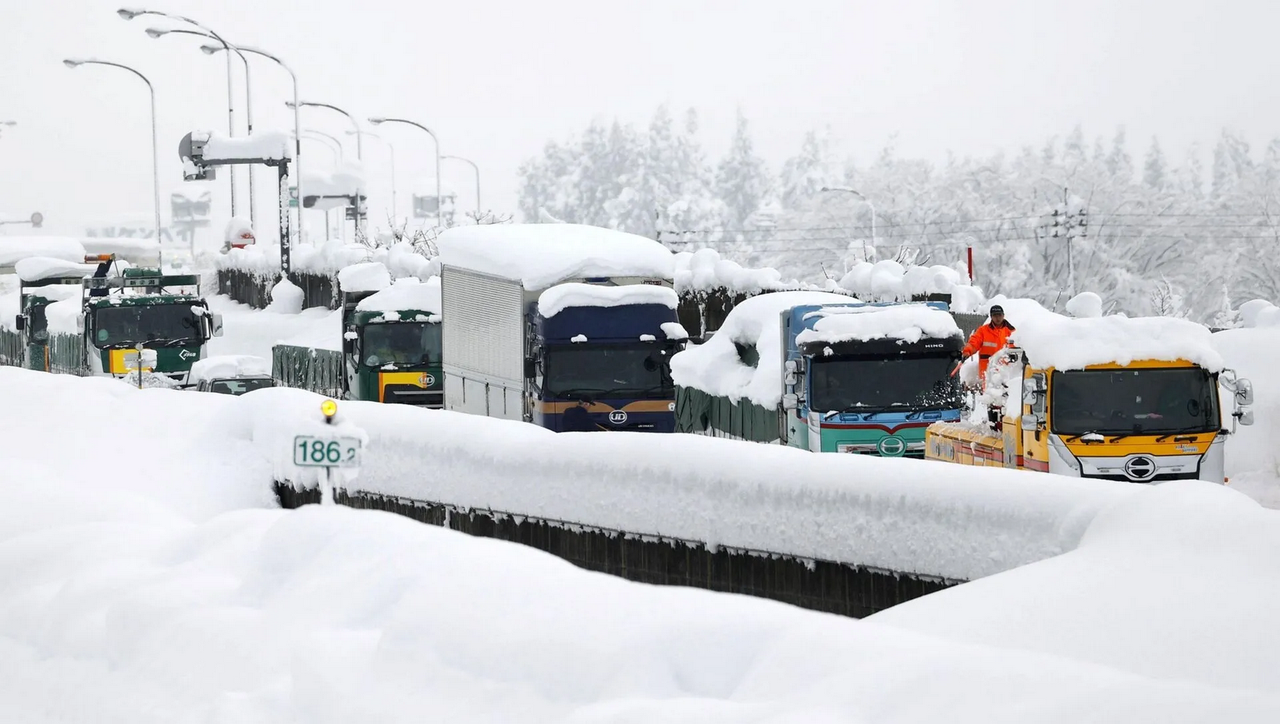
(39, 268)
(406, 294)
(861, 323)
(1071, 344)
(227, 366)
(541, 255)
(715, 367)
(573, 294)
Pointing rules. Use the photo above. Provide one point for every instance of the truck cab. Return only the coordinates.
(391, 344)
(144, 308)
(592, 367)
(868, 378)
(1138, 421)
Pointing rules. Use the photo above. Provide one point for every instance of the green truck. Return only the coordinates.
(70, 322)
(390, 349)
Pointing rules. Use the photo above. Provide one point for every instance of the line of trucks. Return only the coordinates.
(574, 328)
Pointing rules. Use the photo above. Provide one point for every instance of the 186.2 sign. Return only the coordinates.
(328, 452)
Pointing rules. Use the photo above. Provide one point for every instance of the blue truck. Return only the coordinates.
(565, 326)
(818, 372)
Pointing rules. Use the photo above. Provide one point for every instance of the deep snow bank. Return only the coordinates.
(148, 593)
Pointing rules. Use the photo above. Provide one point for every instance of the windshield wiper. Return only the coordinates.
(853, 410)
(585, 394)
(1090, 434)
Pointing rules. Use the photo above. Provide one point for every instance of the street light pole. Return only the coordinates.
(865, 200)
(392, 150)
(359, 218)
(130, 14)
(155, 158)
(297, 124)
(377, 121)
(248, 107)
(477, 170)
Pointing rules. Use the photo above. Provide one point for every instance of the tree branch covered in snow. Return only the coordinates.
(1149, 236)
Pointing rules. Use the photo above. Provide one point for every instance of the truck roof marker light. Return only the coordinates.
(98, 257)
(328, 408)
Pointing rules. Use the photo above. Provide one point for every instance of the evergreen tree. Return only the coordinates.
(741, 178)
(805, 174)
(1119, 163)
(1153, 169)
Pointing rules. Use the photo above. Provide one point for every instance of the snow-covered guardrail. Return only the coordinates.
(906, 516)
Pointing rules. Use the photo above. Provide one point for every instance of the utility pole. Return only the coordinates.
(1070, 223)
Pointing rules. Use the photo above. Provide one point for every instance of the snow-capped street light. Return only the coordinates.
(378, 120)
(131, 13)
(155, 161)
(248, 105)
(477, 170)
(392, 150)
(359, 145)
(297, 122)
(865, 200)
(10, 124)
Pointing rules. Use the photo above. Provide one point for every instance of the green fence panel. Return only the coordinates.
(307, 368)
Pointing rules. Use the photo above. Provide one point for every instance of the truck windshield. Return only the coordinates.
(401, 343)
(126, 326)
(240, 386)
(870, 385)
(585, 371)
(1179, 400)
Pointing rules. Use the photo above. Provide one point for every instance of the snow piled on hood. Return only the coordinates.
(715, 367)
(226, 366)
(905, 322)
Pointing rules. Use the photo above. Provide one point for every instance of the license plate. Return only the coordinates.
(326, 452)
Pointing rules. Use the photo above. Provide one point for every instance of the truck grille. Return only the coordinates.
(410, 395)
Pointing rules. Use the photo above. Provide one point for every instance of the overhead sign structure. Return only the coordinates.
(202, 151)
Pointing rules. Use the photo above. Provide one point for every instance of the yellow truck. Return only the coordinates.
(1133, 400)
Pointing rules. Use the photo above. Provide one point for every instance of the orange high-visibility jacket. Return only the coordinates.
(986, 341)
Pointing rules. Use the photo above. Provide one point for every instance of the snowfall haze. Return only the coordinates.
(496, 80)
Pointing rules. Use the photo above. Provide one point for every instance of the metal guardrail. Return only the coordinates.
(254, 288)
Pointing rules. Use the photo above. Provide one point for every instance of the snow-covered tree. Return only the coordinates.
(804, 174)
(742, 181)
(1153, 169)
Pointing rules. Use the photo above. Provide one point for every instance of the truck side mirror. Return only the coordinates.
(80, 324)
(216, 323)
(1245, 415)
(20, 322)
(1030, 423)
(349, 341)
(790, 401)
(530, 368)
(1244, 393)
(790, 379)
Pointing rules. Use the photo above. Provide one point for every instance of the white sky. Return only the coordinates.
(496, 79)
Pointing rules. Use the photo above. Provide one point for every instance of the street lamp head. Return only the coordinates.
(377, 120)
(156, 32)
(70, 63)
(290, 104)
(130, 13)
(210, 49)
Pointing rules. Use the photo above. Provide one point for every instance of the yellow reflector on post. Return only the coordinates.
(329, 408)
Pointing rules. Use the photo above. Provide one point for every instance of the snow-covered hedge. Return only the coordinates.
(246, 275)
(889, 281)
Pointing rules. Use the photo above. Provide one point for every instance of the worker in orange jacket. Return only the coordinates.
(989, 339)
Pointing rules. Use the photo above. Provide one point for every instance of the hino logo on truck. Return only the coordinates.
(1140, 467)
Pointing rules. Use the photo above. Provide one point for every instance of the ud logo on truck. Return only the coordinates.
(618, 417)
